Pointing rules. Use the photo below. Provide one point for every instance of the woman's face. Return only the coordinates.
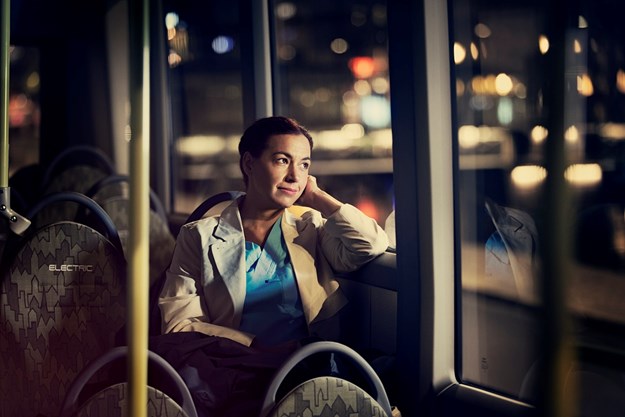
(279, 176)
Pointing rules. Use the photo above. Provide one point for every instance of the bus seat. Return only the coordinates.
(115, 201)
(62, 303)
(27, 181)
(322, 394)
(168, 396)
(161, 244)
(77, 168)
(116, 185)
(213, 205)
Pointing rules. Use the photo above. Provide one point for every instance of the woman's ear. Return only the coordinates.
(247, 162)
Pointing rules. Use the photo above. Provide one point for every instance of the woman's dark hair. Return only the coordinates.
(255, 137)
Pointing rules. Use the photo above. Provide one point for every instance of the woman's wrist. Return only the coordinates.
(324, 203)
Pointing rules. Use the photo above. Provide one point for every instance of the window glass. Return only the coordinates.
(332, 76)
(204, 58)
(23, 111)
(501, 53)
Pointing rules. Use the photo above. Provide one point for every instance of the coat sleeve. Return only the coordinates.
(181, 304)
(349, 239)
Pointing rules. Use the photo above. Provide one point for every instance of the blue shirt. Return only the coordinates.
(273, 309)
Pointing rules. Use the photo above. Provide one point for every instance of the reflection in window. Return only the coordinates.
(500, 55)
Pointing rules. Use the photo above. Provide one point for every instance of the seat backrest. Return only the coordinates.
(315, 396)
(213, 205)
(76, 169)
(62, 303)
(112, 400)
(116, 185)
(59, 174)
(112, 194)
(161, 243)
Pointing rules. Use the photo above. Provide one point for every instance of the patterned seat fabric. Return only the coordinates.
(167, 394)
(328, 396)
(62, 303)
(162, 241)
(113, 402)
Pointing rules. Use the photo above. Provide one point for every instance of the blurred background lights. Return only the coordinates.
(505, 111)
(583, 174)
(286, 10)
(339, 46)
(380, 85)
(620, 81)
(571, 135)
(353, 130)
(482, 31)
(582, 23)
(171, 20)
(577, 46)
(362, 88)
(543, 44)
(468, 136)
(460, 53)
(584, 85)
(376, 111)
(538, 134)
(286, 52)
(362, 66)
(475, 53)
(222, 44)
(503, 84)
(612, 131)
(528, 176)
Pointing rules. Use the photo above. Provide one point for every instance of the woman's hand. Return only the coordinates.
(307, 197)
(315, 198)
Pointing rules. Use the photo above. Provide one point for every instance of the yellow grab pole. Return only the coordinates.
(5, 67)
(138, 263)
(17, 223)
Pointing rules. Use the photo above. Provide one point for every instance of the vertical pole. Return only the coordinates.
(138, 266)
(17, 223)
(4, 74)
(554, 240)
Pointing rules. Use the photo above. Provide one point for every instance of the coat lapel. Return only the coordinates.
(302, 253)
(228, 253)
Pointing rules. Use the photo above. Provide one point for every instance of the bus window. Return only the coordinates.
(500, 55)
(335, 82)
(23, 109)
(204, 60)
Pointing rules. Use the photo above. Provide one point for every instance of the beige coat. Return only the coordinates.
(205, 286)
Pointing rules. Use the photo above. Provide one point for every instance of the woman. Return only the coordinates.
(257, 273)
(247, 287)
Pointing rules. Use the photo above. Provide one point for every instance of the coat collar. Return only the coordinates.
(228, 253)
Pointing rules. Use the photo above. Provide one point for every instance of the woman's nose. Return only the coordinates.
(291, 175)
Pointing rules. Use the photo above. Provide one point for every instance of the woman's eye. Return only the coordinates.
(306, 165)
(282, 161)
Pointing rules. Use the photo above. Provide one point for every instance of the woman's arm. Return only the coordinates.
(317, 199)
(349, 238)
